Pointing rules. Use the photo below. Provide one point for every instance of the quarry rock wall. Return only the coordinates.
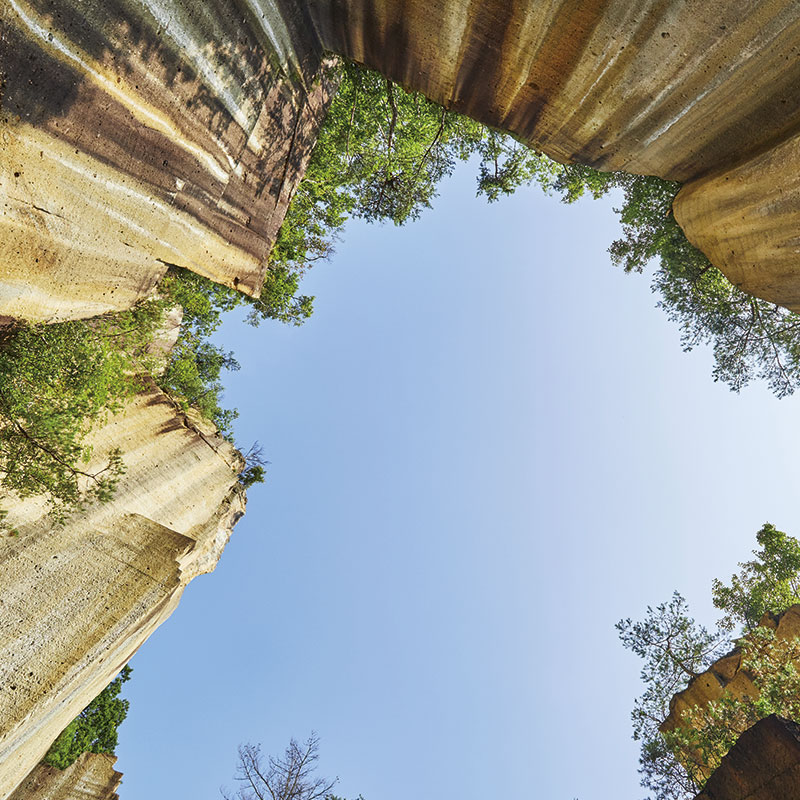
(135, 134)
(764, 764)
(660, 87)
(91, 777)
(141, 133)
(705, 92)
(79, 599)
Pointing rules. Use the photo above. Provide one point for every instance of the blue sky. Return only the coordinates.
(486, 447)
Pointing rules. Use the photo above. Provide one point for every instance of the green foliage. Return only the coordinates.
(675, 649)
(381, 154)
(56, 383)
(255, 466)
(750, 338)
(279, 298)
(95, 729)
(708, 732)
(768, 583)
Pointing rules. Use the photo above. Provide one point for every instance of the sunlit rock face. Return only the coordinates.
(141, 133)
(746, 219)
(726, 674)
(135, 134)
(91, 777)
(78, 600)
(672, 88)
(764, 764)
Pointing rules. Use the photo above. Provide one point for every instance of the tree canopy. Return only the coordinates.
(95, 729)
(382, 152)
(675, 649)
(770, 582)
(380, 156)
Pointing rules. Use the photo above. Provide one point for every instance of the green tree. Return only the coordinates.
(709, 731)
(382, 152)
(95, 729)
(57, 382)
(750, 338)
(768, 583)
(675, 649)
(380, 156)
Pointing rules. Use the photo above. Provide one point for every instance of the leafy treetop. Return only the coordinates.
(675, 649)
(95, 729)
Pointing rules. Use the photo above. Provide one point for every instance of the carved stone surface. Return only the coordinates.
(764, 764)
(91, 777)
(135, 134)
(665, 87)
(78, 600)
(747, 221)
(140, 133)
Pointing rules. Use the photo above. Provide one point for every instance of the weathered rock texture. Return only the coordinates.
(135, 134)
(747, 221)
(674, 88)
(764, 764)
(666, 87)
(726, 674)
(91, 777)
(77, 601)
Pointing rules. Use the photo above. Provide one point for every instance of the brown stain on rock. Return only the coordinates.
(184, 133)
(170, 133)
(91, 777)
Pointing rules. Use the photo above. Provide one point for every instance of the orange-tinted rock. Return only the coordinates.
(726, 674)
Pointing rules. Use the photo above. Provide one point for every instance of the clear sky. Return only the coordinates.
(487, 446)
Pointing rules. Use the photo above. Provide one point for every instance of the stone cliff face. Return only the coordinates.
(79, 600)
(91, 777)
(663, 87)
(726, 674)
(138, 133)
(135, 135)
(681, 89)
(764, 764)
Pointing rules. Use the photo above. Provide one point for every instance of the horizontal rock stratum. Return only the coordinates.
(78, 600)
(135, 135)
(139, 133)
